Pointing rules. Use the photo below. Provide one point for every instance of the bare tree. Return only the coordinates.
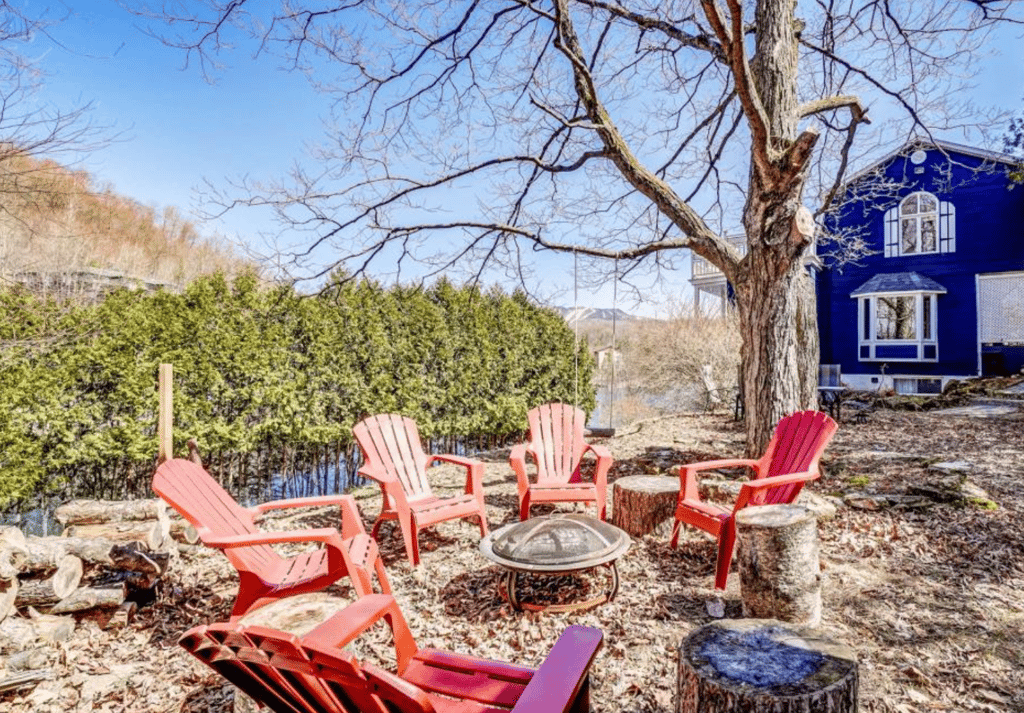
(475, 133)
(34, 135)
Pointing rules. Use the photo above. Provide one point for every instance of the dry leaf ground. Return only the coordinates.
(931, 598)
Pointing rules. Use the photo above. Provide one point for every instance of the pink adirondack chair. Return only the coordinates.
(556, 445)
(263, 574)
(393, 456)
(315, 674)
(790, 461)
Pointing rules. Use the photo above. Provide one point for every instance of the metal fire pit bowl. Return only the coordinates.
(562, 543)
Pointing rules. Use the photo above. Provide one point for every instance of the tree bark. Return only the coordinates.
(642, 502)
(780, 573)
(759, 665)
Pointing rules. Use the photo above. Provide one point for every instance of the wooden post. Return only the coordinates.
(777, 552)
(165, 415)
(753, 665)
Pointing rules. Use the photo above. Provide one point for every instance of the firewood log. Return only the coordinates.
(91, 597)
(153, 533)
(95, 512)
(45, 552)
(8, 593)
(50, 590)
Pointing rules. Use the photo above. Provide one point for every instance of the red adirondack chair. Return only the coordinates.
(315, 675)
(556, 445)
(394, 457)
(790, 461)
(264, 575)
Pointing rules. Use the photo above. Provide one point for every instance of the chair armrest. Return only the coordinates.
(748, 489)
(688, 473)
(342, 628)
(604, 462)
(553, 689)
(351, 521)
(517, 459)
(457, 460)
(327, 535)
(474, 470)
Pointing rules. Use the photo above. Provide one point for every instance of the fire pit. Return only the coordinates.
(556, 544)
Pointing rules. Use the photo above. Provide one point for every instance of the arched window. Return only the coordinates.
(919, 218)
(921, 223)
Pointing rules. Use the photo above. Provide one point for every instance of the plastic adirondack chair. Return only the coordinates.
(557, 447)
(263, 574)
(790, 461)
(394, 457)
(315, 675)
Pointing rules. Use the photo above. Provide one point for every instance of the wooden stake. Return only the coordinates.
(165, 417)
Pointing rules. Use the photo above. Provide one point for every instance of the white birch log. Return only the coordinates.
(780, 573)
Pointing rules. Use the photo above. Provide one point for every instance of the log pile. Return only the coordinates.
(45, 582)
(59, 575)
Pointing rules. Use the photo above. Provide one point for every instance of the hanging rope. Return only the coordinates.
(576, 318)
(615, 316)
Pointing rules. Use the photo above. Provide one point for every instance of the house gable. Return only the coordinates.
(943, 213)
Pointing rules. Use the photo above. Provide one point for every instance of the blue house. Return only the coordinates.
(922, 279)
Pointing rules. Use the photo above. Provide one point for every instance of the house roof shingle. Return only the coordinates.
(898, 282)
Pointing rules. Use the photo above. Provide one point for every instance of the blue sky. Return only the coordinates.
(178, 130)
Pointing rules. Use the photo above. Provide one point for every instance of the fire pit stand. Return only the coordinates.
(555, 545)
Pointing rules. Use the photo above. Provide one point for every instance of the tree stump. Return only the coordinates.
(755, 665)
(640, 503)
(780, 574)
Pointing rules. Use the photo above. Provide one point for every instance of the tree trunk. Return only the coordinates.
(777, 364)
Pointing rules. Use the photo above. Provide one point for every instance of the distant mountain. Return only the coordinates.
(588, 314)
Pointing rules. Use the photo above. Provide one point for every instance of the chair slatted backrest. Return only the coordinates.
(277, 671)
(556, 435)
(200, 499)
(391, 443)
(797, 445)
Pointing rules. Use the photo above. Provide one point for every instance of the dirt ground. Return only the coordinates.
(928, 593)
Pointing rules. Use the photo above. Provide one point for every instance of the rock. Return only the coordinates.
(958, 467)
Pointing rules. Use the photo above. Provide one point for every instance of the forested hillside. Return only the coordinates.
(57, 220)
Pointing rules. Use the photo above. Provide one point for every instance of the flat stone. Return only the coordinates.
(951, 467)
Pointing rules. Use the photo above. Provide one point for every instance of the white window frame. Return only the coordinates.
(867, 309)
(945, 233)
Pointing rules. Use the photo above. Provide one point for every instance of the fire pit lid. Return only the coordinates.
(562, 542)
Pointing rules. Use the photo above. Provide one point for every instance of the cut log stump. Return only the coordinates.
(780, 572)
(754, 665)
(640, 503)
(153, 533)
(8, 593)
(85, 598)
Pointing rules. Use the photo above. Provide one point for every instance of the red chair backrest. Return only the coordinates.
(200, 499)
(391, 443)
(796, 447)
(556, 439)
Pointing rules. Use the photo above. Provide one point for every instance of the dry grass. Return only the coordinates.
(930, 598)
